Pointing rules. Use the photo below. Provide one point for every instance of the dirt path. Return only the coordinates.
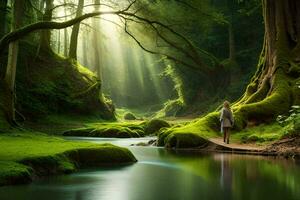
(235, 146)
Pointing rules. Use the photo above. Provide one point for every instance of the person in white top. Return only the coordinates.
(226, 120)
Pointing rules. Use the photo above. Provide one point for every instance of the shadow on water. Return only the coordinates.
(162, 174)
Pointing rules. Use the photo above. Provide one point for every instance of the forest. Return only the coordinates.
(149, 99)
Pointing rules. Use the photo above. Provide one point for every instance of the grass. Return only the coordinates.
(26, 154)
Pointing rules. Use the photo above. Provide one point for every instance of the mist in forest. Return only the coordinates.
(130, 76)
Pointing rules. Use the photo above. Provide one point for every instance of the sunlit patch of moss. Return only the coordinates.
(26, 154)
(191, 135)
(259, 134)
(125, 129)
(194, 134)
(153, 126)
(173, 107)
(85, 71)
(267, 109)
(109, 129)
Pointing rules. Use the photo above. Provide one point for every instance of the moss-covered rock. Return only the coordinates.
(188, 140)
(34, 155)
(129, 116)
(107, 155)
(192, 134)
(14, 173)
(153, 126)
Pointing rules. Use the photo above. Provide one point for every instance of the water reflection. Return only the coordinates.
(226, 174)
(162, 174)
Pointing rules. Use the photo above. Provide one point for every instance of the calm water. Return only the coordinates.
(166, 175)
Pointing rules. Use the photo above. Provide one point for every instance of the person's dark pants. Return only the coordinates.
(226, 134)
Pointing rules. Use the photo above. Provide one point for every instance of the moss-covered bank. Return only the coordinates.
(195, 134)
(190, 135)
(119, 129)
(48, 84)
(27, 156)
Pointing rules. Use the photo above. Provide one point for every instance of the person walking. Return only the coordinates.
(226, 120)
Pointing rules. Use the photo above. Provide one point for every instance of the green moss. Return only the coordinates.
(192, 134)
(261, 93)
(263, 109)
(50, 84)
(119, 129)
(278, 102)
(129, 116)
(186, 140)
(26, 154)
(259, 134)
(13, 172)
(173, 107)
(110, 129)
(153, 126)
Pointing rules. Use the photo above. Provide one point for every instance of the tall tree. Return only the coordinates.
(84, 42)
(45, 36)
(3, 12)
(75, 32)
(10, 75)
(96, 47)
(273, 89)
(66, 35)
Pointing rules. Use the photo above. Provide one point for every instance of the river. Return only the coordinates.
(169, 175)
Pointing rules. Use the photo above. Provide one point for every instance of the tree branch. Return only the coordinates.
(158, 53)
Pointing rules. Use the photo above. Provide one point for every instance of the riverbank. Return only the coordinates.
(26, 156)
(286, 147)
(121, 129)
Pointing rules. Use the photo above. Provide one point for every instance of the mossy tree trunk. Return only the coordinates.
(75, 32)
(273, 89)
(96, 47)
(45, 35)
(10, 75)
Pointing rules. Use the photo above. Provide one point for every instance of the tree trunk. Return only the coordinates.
(85, 50)
(75, 32)
(231, 42)
(96, 43)
(3, 22)
(58, 42)
(45, 36)
(10, 75)
(66, 36)
(3, 30)
(273, 89)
